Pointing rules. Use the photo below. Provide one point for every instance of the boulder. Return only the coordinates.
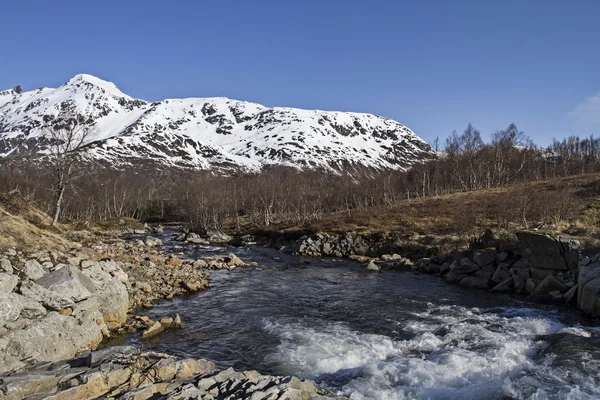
(53, 338)
(522, 273)
(530, 285)
(50, 299)
(589, 297)
(549, 284)
(195, 238)
(501, 257)
(216, 236)
(6, 266)
(586, 273)
(233, 260)
(68, 282)
(504, 286)
(541, 273)
(152, 241)
(570, 295)
(500, 275)
(8, 282)
(466, 266)
(485, 257)
(113, 302)
(33, 270)
(15, 306)
(153, 330)
(372, 266)
(549, 251)
(444, 268)
(475, 282)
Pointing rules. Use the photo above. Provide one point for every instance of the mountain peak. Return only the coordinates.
(109, 87)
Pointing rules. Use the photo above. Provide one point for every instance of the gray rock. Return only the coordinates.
(549, 284)
(50, 299)
(54, 337)
(485, 257)
(33, 270)
(585, 274)
(8, 282)
(68, 282)
(522, 273)
(519, 283)
(545, 251)
(475, 282)
(233, 260)
(6, 266)
(444, 268)
(541, 273)
(372, 266)
(504, 286)
(501, 257)
(152, 241)
(530, 285)
(15, 306)
(11, 252)
(589, 297)
(466, 266)
(500, 275)
(570, 295)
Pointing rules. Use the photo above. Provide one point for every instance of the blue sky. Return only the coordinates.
(432, 65)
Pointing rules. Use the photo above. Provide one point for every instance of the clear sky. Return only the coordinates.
(432, 65)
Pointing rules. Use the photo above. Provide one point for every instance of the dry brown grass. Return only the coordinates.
(570, 205)
(18, 232)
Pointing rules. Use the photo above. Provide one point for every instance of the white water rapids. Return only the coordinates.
(387, 335)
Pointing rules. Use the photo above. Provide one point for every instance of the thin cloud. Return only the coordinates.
(588, 112)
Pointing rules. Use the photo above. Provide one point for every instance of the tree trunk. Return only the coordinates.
(57, 207)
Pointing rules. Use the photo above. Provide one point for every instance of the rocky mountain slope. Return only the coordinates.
(205, 133)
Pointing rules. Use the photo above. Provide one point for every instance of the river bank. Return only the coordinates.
(546, 265)
(330, 320)
(59, 304)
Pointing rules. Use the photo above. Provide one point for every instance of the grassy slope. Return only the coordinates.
(25, 227)
(570, 205)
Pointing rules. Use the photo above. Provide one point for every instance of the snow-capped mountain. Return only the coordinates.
(205, 132)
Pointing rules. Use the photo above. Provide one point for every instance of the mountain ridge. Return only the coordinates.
(206, 133)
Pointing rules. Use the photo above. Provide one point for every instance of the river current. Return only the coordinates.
(385, 335)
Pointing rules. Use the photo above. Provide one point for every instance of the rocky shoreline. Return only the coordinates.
(546, 264)
(128, 373)
(58, 305)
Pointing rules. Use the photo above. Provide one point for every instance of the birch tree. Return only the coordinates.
(67, 136)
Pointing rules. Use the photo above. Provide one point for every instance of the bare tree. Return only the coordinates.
(67, 135)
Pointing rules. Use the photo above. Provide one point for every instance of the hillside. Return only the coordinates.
(205, 133)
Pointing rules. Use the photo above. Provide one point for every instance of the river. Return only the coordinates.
(385, 335)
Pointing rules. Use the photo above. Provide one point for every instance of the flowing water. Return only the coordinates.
(385, 335)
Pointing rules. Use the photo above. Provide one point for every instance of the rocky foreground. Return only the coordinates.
(57, 305)
(127, 373)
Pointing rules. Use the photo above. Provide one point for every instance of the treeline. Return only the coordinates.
(207, 201)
